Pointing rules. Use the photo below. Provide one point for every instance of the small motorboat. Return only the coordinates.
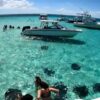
(50, 28)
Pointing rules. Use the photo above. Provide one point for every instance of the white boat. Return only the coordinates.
(62, 19)
(77, 18)
(88, 22)
(50, 28)
(88, 25)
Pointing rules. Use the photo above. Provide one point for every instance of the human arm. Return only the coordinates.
(54, 90)
(39, 95)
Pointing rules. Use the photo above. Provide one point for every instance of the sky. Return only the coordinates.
(68, 7)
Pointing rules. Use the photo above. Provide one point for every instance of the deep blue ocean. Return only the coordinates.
(22, 58)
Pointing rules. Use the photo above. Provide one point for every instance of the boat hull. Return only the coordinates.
(91, 26)
(48, 32)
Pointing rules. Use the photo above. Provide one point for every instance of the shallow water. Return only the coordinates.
(21, 58)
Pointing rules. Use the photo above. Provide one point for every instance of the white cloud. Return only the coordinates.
(24, 6)
(17, 7)
(75, 11)
(67, 11)
(13, 4)
(61, 10)
(1, 2)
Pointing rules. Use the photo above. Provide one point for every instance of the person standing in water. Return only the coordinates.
(44, 91)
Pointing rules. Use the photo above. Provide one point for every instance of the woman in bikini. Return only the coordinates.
(45, 92)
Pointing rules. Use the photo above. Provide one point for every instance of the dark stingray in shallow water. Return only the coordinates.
(96, 87)
(75, 66)
(27, 97)
(62, 91)
(44, 47)
(49, 72)
(81, 91)
(13, 94)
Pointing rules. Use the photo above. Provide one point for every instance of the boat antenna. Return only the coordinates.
(84, 11)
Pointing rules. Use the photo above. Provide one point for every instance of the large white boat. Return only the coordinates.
(88, 22)
(50, 28)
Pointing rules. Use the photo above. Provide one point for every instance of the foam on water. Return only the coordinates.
(21, 59)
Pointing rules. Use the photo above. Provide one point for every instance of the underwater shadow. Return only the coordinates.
(81, 91)
(62, 91)
(60, 40)
(48, 72)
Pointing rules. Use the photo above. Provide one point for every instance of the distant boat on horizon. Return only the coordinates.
(43, 16)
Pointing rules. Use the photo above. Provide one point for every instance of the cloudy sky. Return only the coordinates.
(50, 6)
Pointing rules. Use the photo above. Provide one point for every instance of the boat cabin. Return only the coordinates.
(86, 18)
(50, 24)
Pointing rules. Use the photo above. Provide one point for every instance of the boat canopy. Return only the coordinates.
(50, 24)
(49, 21)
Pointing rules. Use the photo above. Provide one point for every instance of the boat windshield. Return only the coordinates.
(56, 25)
(50, 25)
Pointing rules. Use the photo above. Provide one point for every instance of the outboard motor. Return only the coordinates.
(13, 94)
(25, 27)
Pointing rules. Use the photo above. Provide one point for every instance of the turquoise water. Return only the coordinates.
(21, 58)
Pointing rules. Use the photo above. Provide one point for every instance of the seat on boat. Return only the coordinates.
(25, 27)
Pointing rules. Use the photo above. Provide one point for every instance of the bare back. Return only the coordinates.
(45, 94)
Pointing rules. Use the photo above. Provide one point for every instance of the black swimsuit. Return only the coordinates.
(46, 95)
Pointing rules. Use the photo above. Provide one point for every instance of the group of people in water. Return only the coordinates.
(5, 27)
(43, 91)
